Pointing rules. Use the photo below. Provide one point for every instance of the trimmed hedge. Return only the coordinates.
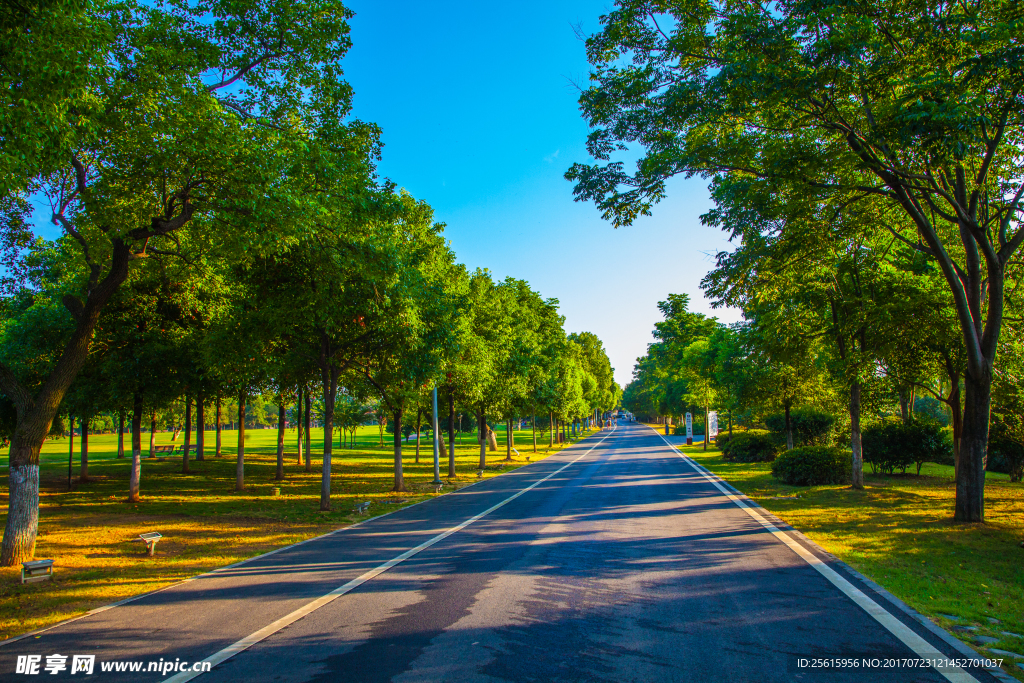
(813, 465)
(722, 440)
(750, 447)
(893, 445)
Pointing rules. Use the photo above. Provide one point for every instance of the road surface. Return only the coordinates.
(615, 560)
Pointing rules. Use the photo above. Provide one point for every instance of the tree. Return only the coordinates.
(915, 107)
(128, 181)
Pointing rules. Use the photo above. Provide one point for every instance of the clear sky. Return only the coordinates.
(480, 119)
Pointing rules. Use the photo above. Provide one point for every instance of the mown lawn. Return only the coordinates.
(91, 530)
(900, 532)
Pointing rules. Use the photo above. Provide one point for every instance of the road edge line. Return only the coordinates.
(918, 645)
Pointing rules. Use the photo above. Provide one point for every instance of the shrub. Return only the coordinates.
(810, 427)
(896, 445)
(1005, 454)
(813, 465)
(750, 447)
(722, 440)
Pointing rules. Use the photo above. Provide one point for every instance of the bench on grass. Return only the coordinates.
(150, 538)
(36, 570)
(362, 508)
(191, 448)
(169, 448)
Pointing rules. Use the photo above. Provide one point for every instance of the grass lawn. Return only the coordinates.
(899, 531)
(91, 530)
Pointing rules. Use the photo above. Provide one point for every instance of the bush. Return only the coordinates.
(750, 447)
(889, 446)
(813, 465)
(1005, 454)
(722, 440)
(810, 427)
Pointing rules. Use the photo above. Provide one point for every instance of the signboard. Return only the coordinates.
(712, 424)
(689, 429)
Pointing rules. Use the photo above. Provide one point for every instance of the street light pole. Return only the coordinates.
(437, 455)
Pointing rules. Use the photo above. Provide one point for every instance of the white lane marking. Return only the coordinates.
(921, 647)
(269, 630)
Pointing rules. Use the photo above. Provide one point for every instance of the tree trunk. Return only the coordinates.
(419, 419)
(451, 432)
(136, 474)
(298, 424)
(200, 427)
(240, 461)
(970, 481)
(399, 479)
(120, 434)
(857, 478)
(508, 439)
(707, 426)
(188, 435)
(306, 429)
(329, 376)
(279, 475)
(481, 425)
(152, 434)
(789, 431)
(71, 447)
(23, 507)
(551, 429)
(533, 422)
(83, 474)
(957, 421)
(219, 419)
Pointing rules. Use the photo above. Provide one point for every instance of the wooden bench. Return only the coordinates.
(150, 538)
(36, 570)
(362, 508)
(169, 448)
(191, 448)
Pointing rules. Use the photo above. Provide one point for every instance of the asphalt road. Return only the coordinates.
(617, 561)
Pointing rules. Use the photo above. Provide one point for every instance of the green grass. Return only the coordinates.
(900, 532)
(91, 530)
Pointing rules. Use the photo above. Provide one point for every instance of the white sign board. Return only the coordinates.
(712, 424)
(689, 428)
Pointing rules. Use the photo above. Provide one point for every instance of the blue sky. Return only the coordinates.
(479, 118)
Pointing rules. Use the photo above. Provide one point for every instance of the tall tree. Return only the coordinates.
(914, 106)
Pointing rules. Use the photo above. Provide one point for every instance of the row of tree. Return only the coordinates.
(225, 236)
(866, 158)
